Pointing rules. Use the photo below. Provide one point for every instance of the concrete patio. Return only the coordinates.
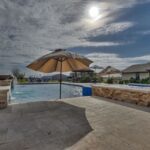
(84, 123)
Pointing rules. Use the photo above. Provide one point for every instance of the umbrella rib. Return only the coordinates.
(58, 60)
(70, 64)
(56, 64)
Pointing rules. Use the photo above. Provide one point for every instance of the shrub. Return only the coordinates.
(110, 80)
(133, 80)
(22, 81)
(94, 79)
(145, 81)
(85, 79)
(121, 82)
(100, 79)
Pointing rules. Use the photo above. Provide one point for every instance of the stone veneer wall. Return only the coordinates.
(128, 95)
(5, 93)
(5, 82)
(4, 98)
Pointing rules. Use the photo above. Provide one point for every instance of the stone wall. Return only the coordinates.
(127, 95)
(4, 98)
(5, 82)
(5, 92)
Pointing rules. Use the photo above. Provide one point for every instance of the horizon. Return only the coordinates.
(110, 33)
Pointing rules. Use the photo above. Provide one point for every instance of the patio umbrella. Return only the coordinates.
(60, 60)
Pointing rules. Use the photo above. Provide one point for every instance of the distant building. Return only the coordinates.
(34, 79)
(78, 74)
(54, 77)
(110, 72)
(57, 77)
(46, 78)
(139, 71)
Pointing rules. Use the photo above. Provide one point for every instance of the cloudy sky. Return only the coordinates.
(119, 36)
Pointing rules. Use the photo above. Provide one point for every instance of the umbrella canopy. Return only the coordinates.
(60, 61)
(52, 62)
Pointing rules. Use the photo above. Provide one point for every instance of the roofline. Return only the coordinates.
(135, 72)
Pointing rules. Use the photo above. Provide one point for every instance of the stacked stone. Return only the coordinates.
(3, 98)
(128, 95)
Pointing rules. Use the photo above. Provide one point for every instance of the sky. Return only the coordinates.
(119, 36)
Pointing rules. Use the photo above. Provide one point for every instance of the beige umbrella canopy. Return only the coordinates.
(60, 61)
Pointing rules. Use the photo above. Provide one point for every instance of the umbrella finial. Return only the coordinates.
(59, 50)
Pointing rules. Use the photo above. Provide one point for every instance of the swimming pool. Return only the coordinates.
(41, 92)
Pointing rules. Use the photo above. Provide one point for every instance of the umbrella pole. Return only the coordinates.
(60, 78)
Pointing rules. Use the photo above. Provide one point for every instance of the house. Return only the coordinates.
(139, 71)
(78, 74)
(46, 78)
(110, 72)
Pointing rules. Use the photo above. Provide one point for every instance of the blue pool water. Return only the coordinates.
(41, 92)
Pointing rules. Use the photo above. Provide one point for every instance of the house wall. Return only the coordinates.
(128, 76)
(144, 75)
(82, 74)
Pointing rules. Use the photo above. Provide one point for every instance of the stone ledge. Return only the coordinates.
(132, 96)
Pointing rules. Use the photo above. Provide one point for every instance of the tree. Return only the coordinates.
(16, 72)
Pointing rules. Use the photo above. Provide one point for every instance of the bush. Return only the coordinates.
(94, 79)
(22, 81)
(110, 80)
(16, 73)
(85, 79)
(121, 82)
(145, 81)
(100, 79)
(133, 80)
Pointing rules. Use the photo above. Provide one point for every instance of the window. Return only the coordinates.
(137, 76)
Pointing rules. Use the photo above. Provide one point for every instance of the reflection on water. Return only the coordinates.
(40, 92)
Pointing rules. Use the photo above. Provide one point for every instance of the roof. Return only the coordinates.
(96, 67)
(138, 68)
(109, 70)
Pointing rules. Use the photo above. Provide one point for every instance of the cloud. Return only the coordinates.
(113, 28)
(29, 28)
(112, 59)
(127, 4)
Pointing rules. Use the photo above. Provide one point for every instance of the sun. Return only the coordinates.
(94, 12)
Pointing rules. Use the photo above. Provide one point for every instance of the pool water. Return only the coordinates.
(41, 92)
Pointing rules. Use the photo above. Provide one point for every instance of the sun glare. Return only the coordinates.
(94, 12)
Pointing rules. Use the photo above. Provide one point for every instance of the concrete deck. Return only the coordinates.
(74, 124)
